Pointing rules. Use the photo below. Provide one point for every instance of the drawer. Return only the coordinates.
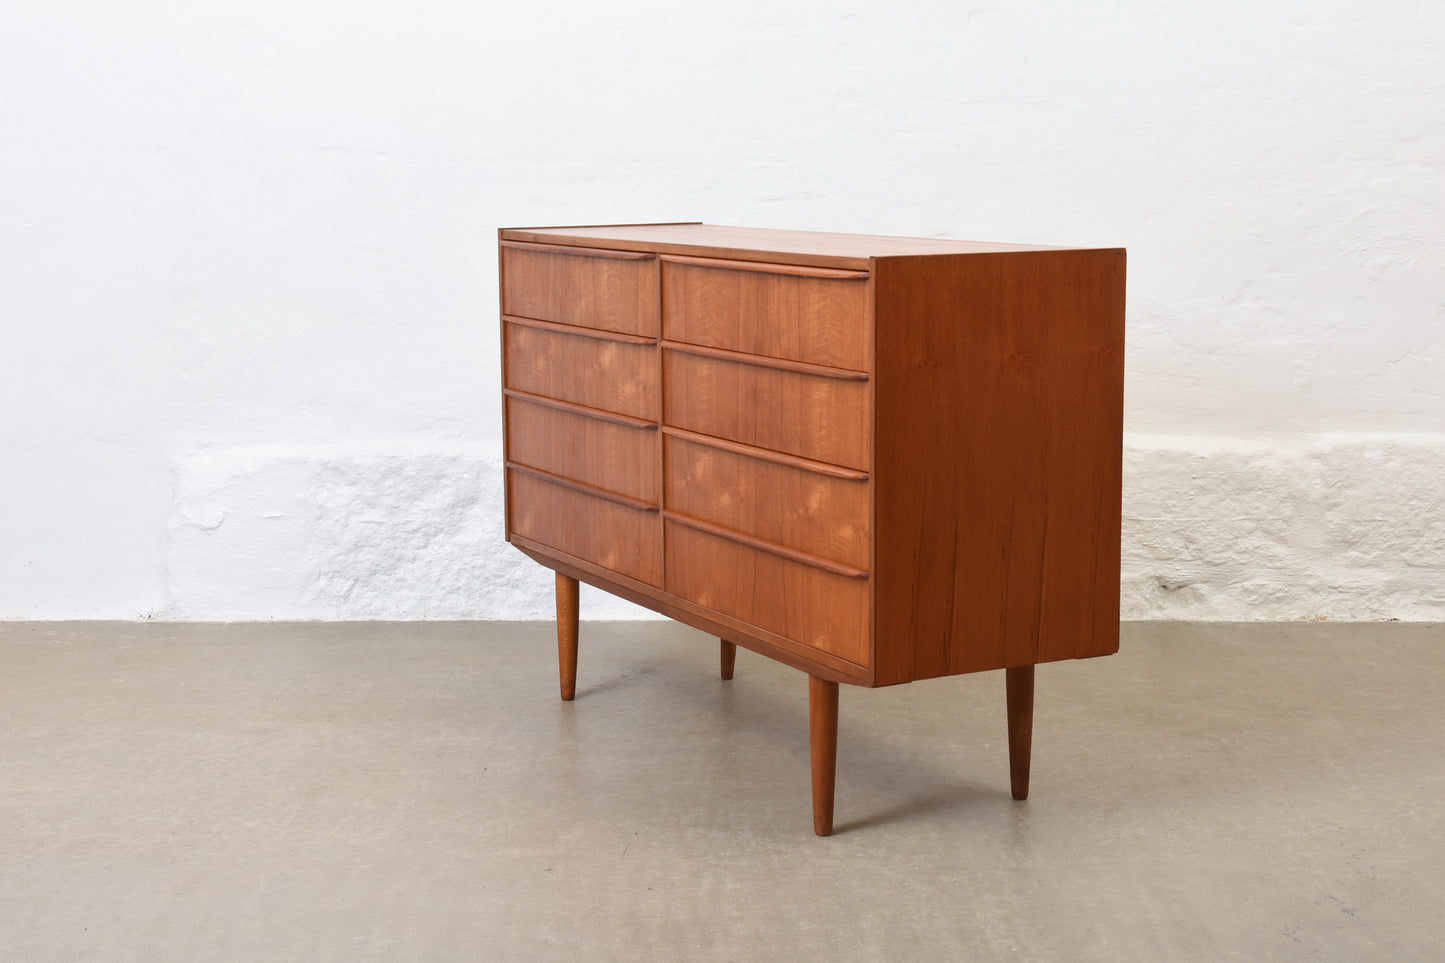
(624, 538)
(789, 598)
(611, 290)
(815, 315)
(613, 374)
(809, 507)
(801, 410)
(615, 453)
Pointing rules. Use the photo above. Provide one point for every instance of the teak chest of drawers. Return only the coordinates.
(874, 459)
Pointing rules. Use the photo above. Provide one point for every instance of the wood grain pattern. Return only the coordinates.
(1019, 683)
(805, 510)
(784, 650)
(567, 617)
(816, 320)
(607, 495)
(764, 361)
(618, 457)
(797, 601)
(579, 330)
(801, 414)
(997, 500)
(813, 248)
(573, 251)
(761, 544)
(823, 750)
(587, 288)
(611, 535)
(627, 421)
(611, 375)
(713, 421)
(767, 454)
(763, 267)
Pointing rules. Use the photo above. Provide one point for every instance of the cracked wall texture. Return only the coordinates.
(248, 311)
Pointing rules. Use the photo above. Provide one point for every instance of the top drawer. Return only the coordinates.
(815, 315)
(610, 290)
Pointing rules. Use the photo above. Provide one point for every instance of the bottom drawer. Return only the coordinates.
(785, 597)
(619, 537)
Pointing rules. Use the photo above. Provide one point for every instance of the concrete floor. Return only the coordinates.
(416, 791)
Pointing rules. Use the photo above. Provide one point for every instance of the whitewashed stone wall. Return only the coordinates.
(1343, 529)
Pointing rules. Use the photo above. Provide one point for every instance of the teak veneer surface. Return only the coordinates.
(595, 450)
(615, 291)
(812, 416)
(620, 537)
(807, 319)
(938, 420)
(757, 244)
(875, 459)
(810, 511)
(618, 376)
(1002, 494)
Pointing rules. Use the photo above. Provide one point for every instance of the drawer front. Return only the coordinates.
(808, 415)
(812, 319)
(618, 457)
(797, 601)
(615, 376)
(811, 511)
(614, 291)
(618, 537)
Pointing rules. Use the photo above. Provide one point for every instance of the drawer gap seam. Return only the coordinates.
(579, 330)
(763, 361)
(566, 249)
(584, 411)
(765, 454)
(627, 501)
(765, 267)
(763, 545)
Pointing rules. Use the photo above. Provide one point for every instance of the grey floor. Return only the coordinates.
(417, 791)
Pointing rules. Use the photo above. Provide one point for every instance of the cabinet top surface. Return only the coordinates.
(757, 244)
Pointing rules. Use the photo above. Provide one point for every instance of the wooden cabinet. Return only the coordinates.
(874, 459)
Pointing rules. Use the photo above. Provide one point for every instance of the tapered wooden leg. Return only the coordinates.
(729, 658)
(823, 744)
(1020, 683)
(567, 635)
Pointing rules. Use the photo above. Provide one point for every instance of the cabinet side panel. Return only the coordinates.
(999, 407)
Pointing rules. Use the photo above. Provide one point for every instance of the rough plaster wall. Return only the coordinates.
(1343, 529)
(248, 310)
(406, 532)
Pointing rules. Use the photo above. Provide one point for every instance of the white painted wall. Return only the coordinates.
(248, 336)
